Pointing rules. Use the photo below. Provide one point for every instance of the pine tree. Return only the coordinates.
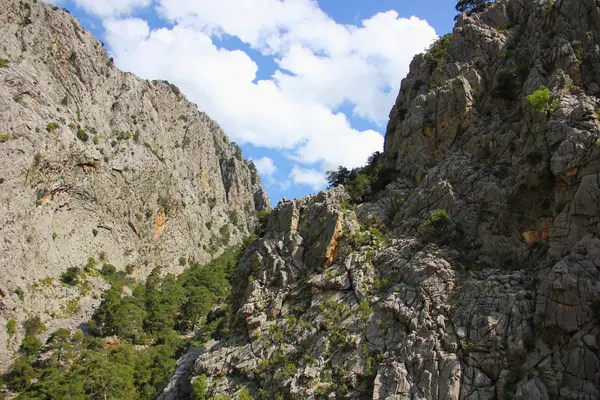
(470, 6)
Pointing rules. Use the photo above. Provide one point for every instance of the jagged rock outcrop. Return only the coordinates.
(485, 283)
(463, 132)
(97, 163)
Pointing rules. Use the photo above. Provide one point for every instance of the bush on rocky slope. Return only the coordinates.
(362, 183)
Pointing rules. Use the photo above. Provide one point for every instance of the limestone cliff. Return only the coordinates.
(475, 274)
(97, 163)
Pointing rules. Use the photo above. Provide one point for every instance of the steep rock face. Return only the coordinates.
(396, 318)
(506, 304)
(463, 132)
(97, 163)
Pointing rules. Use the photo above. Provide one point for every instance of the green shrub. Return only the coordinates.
(225, 232)
(71, 276)
(200, 387)
(3, 63)
(507, 86)
(253, 172)
(237, 150)
(95, 139)
(245, 394)
(471, 6)
(233, 217)
(31, 345)
(263, 220)
(11, 327)
(437, 51)
(364, 310)
(82, 135)
(51, 127)
(362, 184)
(20, 374)
(34, 326)
(437, 227)
(287, 370)
(540, 100)
(108, 270)
(5, 137)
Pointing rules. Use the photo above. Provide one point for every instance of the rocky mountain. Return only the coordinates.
(475, 273)
(99, 164)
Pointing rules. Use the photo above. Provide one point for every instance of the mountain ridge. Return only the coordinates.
(100, 164)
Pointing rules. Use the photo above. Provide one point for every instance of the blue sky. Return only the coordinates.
(302, 85)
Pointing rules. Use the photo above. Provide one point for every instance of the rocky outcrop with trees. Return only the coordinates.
(463, 262)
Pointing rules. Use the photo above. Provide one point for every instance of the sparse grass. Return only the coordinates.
(71, 308)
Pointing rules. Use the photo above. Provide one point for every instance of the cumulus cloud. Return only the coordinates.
(308, 176)
(324, 61)
(322, 66)
(221, 82)
(266, 167)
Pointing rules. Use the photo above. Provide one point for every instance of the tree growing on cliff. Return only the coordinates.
(471, 6)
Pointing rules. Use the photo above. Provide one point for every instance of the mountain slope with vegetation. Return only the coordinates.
(97, 163)
(463, 262)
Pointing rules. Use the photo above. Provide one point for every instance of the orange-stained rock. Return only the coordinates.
(159, 223)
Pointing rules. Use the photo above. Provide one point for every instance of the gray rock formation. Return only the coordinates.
(505, 305)
(97, 163)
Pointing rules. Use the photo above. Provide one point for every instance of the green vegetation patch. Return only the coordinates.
(155, 315)
(438, 227)
(82, 135)
(471, 6)
(362, 184)
(540, 100)
(11, 327)
(51, 127)
(438, 50)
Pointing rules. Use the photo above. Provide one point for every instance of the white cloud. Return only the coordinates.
(322, 65)
(106, 8)
(329, 62)
(266, 167)
(221, 82)
(310, 177)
